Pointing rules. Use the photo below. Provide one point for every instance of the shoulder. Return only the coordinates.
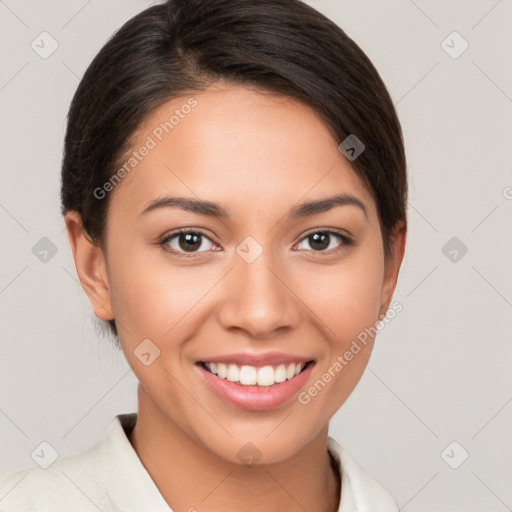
(74, 480)
(359, 490)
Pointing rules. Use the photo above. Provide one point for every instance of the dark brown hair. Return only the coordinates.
(281, 46)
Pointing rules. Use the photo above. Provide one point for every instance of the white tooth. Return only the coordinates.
(248, 375)
(233, 373)
(222, 370)
(280, 373)
(266, 376)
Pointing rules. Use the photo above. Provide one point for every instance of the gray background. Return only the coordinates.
(440, 371)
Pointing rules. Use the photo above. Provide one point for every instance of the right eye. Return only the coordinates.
(185, 242)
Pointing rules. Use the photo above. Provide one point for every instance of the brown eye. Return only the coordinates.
(186, 241)
(189, 241)
(325, 241)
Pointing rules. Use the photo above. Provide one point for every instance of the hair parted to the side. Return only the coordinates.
(183, 46)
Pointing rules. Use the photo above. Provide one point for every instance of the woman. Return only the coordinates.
(234, 189)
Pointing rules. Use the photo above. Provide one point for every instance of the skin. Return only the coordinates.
(257, 155)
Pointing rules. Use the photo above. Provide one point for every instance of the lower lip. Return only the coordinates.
(256, 398)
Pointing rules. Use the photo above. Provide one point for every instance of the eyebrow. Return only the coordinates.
(215, 210)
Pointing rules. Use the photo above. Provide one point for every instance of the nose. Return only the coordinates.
(258, 299)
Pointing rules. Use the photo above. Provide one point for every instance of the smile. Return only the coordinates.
(247, 375)
(239, 384)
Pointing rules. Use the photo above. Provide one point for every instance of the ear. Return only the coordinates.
(392, 265)
(90, 265)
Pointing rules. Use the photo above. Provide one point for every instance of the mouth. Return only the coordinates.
(255, 388)
(262, 376)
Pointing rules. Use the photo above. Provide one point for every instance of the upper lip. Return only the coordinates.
(258, 360)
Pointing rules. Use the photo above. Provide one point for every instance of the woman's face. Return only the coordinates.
(254, 286)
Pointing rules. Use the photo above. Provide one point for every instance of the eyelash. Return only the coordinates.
(346, 241)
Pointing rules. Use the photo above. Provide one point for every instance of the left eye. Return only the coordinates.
(321, 241)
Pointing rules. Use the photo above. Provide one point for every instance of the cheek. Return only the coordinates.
(153, 299)
(346, 297)
(157, 302)
(347, 302)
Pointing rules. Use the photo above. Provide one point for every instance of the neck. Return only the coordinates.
(201, 480)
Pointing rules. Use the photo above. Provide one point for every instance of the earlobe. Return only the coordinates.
(392, 265)
(90, 265)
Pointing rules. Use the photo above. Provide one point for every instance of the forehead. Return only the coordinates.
(234, 145)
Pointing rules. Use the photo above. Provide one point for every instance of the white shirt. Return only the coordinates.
(110, 477)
